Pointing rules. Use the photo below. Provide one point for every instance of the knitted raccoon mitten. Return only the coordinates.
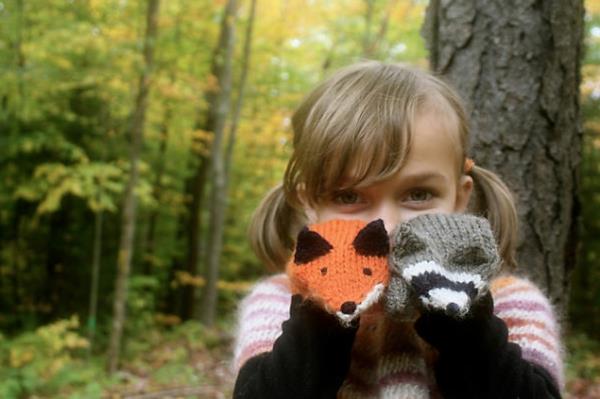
(341, 265)
(444, 260)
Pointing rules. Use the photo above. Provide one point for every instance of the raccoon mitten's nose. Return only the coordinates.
(452, 309)
(348, 307)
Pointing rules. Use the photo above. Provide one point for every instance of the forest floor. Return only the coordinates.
(178, 361)
(189, 366)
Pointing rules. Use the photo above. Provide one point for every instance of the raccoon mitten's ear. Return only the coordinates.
(406, 244)
(475, 251)
(372, 240)
(310, 246)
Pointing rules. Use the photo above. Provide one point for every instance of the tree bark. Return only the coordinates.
(157, 193)
(96, 256)
(129, 202)
(517, 63)
(237, 110)
(369, 11)
(219, 103)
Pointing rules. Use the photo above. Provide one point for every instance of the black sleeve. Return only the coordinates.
(309, 360)
(476, 360)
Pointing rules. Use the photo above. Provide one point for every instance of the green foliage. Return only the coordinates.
(585, 291)
(584, 357)
(45, 361)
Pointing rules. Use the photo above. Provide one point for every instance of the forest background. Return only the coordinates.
(110, 206)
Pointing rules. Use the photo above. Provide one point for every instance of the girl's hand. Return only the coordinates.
(441, 262)
(309, 360)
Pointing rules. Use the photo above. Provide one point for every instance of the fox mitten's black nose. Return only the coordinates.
(444, 260)
(348, 307)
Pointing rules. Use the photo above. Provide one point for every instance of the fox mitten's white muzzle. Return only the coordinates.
(441, 261)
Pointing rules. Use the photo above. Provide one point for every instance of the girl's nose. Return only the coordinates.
(389, 212)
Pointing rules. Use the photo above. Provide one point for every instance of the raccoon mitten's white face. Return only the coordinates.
(446, 259)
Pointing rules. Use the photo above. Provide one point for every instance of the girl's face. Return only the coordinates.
(427, 183)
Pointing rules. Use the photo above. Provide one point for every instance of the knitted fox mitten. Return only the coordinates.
(338, 270)
(444, 260)
(341, 265)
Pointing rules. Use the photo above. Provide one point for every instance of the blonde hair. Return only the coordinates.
(361, 120)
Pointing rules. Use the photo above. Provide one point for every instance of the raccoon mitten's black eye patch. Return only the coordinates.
(310, 246)
(372, 240)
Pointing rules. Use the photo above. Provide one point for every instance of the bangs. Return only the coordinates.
(355, 129)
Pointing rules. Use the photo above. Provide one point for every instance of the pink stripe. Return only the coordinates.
(256, 348)
(260, 297)
(537, 357)
(281, 280)
(522, 305)
(274, 327)
(516, 322)
(268, 314)
(512, 289)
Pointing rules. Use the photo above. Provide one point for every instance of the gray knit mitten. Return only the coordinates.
(441, 261)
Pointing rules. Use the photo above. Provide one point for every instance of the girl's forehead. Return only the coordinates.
(434, 143)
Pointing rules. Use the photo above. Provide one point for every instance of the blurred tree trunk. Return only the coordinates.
(20, 60)
(220, 191)
(96, 256)
(219, 104)
(157, 188)
(517, 63)
(129, 202)
(237, 110)
(369, 11)
(372, 44)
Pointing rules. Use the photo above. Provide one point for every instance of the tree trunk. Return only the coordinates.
(129, 202)
(20, 58)
(96, 255)
(196, 187)
(518, 64)
(235, 119)
(371, 45)
(157, 192)
(369, 11)
(219, 102)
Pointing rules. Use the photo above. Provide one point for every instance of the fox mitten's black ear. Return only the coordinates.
(447, 261)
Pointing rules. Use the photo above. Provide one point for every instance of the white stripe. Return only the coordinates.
(440, 298)
(525, 297)
(536, 331)
(537, 315)
(263, 320)
(278, 308)
(419, 268)
(390, 364)
(270, 289)
(552, 356)
(250, 339)
(404, 391)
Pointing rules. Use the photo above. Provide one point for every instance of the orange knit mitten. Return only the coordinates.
(341, 265)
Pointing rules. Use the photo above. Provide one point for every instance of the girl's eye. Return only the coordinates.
(347, 197)
(419, 196)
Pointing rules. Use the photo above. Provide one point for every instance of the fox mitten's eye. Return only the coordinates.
(446, 260)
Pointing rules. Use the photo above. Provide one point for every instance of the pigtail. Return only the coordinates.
(494, 200)
(272, 228)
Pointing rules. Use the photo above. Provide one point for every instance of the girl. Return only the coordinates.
(382, 141)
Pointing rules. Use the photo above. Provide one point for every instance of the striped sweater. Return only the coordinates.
(389, 360)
